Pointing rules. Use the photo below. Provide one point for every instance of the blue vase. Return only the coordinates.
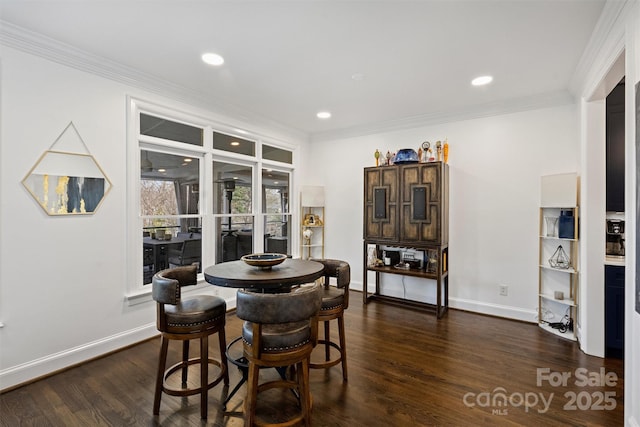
(566, 225)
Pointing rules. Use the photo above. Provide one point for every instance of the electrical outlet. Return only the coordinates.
(504, 290)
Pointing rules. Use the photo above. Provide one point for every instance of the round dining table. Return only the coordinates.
(278, 278)
(238, 274)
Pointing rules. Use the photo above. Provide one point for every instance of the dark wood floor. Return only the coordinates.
(405, 369)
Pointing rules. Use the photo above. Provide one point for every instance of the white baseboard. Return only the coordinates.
(34, 369)
(498, 310)
(52, 363)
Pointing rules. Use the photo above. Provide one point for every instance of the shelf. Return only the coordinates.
(564, 239)
(569, 335)
(565, 301)
(561, 192)
(405, 272)
(402, 302)
(570, 270)
(314, 246)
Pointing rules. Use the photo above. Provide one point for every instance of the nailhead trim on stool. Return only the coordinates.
(280, 330)
(183, 320)
(335, 301)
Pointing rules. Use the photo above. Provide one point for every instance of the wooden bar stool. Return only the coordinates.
(184, 320)
(335, 301)
(280, 330)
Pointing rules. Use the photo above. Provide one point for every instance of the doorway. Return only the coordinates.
(614, 278)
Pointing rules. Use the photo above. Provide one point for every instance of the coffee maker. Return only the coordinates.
(615, 237)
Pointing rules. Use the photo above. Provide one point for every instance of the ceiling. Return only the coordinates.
(369, 63)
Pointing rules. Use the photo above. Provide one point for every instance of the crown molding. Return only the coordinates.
(53, 50)
(605, 45)
(515, 105)
(39, 45)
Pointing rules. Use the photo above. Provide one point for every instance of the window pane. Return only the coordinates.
(277, 234)
(174, 131)
(158, 197)
(168, 184)
(232, 244)
(275, 195)
(232, 190)
(275, 191)
(277, 154)
(233, 144)
(232, 187)
(165, 247)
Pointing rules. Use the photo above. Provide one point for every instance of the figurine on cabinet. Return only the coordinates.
(445, 150)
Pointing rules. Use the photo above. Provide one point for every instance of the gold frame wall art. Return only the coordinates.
(66, 182)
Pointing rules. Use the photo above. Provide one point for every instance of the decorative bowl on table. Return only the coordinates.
(406, 155)
(265, 261)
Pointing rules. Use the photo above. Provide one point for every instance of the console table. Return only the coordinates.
(439, 273)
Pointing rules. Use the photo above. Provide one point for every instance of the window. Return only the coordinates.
(233, 210)
(203, 194)
(233, 144)
(277, 226)
(169, 198)
(170, 130)
(276, 154)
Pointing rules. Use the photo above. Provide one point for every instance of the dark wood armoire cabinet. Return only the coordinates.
(406, 209)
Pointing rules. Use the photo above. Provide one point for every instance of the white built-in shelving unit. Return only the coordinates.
(558, 285)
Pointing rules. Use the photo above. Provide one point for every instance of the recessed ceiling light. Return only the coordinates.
(482, 80)
(213, 59)
(324, 115)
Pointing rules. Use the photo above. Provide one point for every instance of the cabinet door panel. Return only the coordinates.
(381, 203)
(421, 186)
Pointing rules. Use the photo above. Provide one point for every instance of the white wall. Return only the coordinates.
(63, 279)
(495, 169)
(632, 321)
(614, 45)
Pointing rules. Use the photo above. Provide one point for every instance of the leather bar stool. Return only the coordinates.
(335, 301)
(184, 320)
(280, 330)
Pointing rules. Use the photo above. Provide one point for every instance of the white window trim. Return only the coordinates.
(135, 291)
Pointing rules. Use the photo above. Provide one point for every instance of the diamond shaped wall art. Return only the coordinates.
(67, 182)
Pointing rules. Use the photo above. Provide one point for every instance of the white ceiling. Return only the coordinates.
(286, 60)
